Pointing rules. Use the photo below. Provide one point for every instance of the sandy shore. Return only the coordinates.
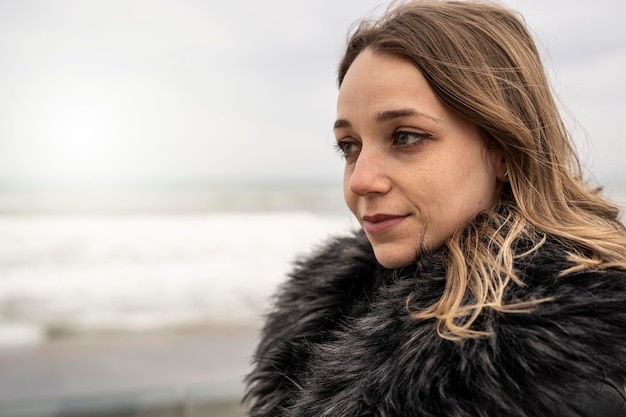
(182, 372)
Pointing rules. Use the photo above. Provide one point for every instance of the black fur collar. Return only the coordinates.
(340, 342)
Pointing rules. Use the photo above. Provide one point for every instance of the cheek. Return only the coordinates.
(476, 178)
(348, 195)
(457, 198)
(485, 185)
(476, 193)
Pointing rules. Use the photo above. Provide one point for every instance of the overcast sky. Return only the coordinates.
(154, 91)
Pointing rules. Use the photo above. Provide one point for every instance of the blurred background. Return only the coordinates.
(163, 162)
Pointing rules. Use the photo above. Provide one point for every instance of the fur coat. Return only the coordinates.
(339, 342)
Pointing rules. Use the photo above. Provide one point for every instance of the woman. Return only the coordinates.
(489, 279)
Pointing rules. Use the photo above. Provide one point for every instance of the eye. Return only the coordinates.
(348, 148)
(406, 138)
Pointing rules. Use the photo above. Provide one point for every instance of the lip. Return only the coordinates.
(381, 223)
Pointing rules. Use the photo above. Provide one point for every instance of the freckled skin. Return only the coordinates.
(438, 182)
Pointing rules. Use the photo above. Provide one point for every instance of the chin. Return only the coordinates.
(393, 257)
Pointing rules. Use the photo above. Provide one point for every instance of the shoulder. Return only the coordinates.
(604, 397)
(313, 301)
(593, 292)
(567, 342)
(323, 282)
(543, 275)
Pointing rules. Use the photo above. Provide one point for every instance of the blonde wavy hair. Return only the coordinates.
(480, 60)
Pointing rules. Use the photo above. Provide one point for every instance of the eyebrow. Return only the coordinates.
(388, 115)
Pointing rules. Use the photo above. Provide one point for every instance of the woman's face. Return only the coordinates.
(415, 171)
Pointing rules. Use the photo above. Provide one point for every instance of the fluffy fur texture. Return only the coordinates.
(341, 343)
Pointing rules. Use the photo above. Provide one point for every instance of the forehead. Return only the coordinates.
(380, 82)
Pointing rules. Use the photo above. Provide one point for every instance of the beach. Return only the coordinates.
(177, 372)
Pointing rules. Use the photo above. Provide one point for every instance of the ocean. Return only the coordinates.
(80, 261)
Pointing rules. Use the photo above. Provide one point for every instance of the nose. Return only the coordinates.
(368, 174)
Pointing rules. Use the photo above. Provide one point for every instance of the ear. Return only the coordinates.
(500, 166)
(496, 157)
(502, 169)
